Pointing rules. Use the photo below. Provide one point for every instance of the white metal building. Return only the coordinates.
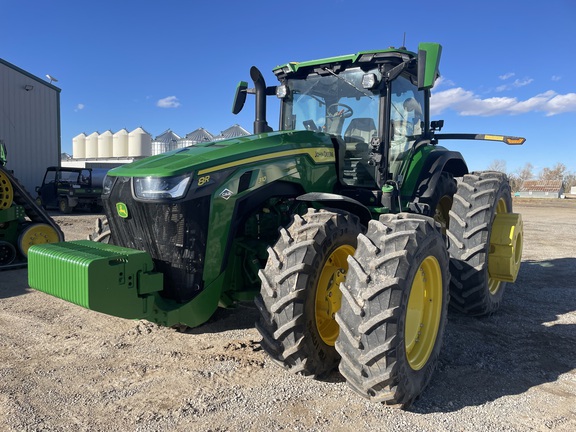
(29, 124)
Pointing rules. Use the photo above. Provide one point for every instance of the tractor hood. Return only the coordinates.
(232, 152)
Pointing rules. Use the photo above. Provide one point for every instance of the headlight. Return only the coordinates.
(161, 187)
(107, 184)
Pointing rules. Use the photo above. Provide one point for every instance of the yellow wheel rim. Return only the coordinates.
(328, 295)
(493, 284)
(37, 234)
(6, 192)
(423, 313)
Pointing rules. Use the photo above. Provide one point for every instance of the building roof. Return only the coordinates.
(167, 137)
(29, 75)
(542, 186)
(233, 132)
(199, 135)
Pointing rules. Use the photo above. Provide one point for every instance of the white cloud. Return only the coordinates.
(468, 103)
(561, 104)
(515, 84)
(506, 76)
(79, 107)
(168, 102)
(556, 78)
(522, 82)
(443, 82)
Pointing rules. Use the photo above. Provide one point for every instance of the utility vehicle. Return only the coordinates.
(67, 188)
(350, 224)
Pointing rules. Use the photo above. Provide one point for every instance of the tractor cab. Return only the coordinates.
(363, 113)
(373, 104)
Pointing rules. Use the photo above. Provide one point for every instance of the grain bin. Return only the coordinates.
(139, 143)
(92, 145)
(79, 146)
(105, 145)
(120, 143)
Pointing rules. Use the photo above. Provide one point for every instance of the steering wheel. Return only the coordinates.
(332, 111)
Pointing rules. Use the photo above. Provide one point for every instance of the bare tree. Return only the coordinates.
(557, 172)
(518, 178)
(569, 181)
(497, 165)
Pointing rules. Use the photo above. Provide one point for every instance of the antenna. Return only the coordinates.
(404, 41)
(51, 78)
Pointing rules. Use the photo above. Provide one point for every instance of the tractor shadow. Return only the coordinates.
(13, 282)
(241, 317)
(527, 343)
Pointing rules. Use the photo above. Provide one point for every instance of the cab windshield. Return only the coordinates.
(336, 104)
(340, 106)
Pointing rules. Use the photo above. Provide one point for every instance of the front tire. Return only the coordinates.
(300, 291)
(102, 232)
(394, 308)
(63, 206)
(485, 242)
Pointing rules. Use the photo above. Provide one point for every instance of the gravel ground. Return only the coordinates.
(64, 368)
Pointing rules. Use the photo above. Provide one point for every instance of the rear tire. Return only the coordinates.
(300, 291)
(440, 202)
(394, 308)
(481, 196)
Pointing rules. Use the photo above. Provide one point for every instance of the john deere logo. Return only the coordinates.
(122, 210)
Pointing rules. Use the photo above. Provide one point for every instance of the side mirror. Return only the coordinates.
(239, 97)
(428, 61)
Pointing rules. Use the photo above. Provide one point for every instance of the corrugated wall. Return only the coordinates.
(29, 124)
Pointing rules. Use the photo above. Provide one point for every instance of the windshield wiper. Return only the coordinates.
(365, 93)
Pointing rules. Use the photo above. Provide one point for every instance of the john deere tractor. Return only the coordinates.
(349, 225)
(22, 222)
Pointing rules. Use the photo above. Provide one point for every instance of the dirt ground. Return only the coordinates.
(65, 368)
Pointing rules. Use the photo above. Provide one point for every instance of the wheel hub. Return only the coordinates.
(328, 295)
(423, 313)
(37, 234)
(506, 242)
(6, 192)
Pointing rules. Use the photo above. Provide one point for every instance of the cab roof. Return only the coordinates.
(362, 58)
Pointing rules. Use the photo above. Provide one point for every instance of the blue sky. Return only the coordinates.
(507, 67)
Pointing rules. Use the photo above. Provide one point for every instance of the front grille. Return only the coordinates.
(174, 234)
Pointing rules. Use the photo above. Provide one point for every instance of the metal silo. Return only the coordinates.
(92, 146)
(120, 143)
(139, 143)
(79, 146)
(105, 145)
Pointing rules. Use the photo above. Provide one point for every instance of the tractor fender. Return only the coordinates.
(252, 202)
(437, 162)
(339, 202)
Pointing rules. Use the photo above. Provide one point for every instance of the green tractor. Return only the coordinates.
(22, 222)
(350, 226)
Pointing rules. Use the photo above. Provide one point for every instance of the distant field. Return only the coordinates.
(569, 202)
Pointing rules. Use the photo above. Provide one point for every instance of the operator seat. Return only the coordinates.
(360, 130)
(357, 137)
